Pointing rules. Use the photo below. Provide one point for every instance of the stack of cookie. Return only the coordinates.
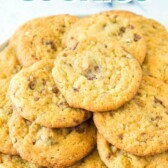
(59, 71)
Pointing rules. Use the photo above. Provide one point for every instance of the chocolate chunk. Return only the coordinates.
(120, 136)
(50, 43)
(131, 26)
(55, 90)
(72, 38)
(139, 102)
(89, 75)
(159, 117)
(108, 156)
(64, 54)
(97, 68)
(43, 82)
(34, 142)
(105, 45)
(36, 98)
(122, 29)
(156, 118)
(60, 104)
(75, 89)
(156, 100)
(31, 85)
(15, 140)
(136, 37)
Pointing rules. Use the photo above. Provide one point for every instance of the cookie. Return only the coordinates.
(92, 161)
(97, 75)
(8, 161)
(156, 62)
(36, 98)
(139, 127)
(9, 64)
(116, 158)
(114, 27)
(156, 36)
(41, 38)
(8, 67)
(5, 113)
(55, 148)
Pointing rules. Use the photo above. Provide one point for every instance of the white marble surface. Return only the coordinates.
(15, 12)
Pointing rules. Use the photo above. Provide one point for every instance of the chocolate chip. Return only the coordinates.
(122, 29)
(43, 82)
(108, 156)
(36, 98)
(31, 85)
(27, 122)
(80, 129)
(60, 104)
(64, 54)
(97, 68)
(154, 26)
(143, 133)
(120, 136)
(131, 26)
(15, 140)
(136, 37)
(34, 142)
(156, 100)
(159, 118)
(140, 103)
(155, 120)
(89, 75)
(105, 45)
(50, 43)
(75, 89)
(55, 90)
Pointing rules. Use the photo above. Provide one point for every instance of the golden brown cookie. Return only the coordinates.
(139, 127)
(116, 158)
(41, 38)
(156, 36)
(8, 67)
(112, 26)
(9, 64)
(8, 161)
(36, 97)
(156, 62)
(5, 113)
(91, 161)
(97, 75)
(55, 148)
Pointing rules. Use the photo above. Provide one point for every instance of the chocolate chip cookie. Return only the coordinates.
(139, 127)
(41, 38)
(48, 147)
(36, 97)
(116, 158)
(97, 75)
(113, 26)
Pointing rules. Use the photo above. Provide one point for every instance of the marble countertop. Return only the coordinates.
(13, 13)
